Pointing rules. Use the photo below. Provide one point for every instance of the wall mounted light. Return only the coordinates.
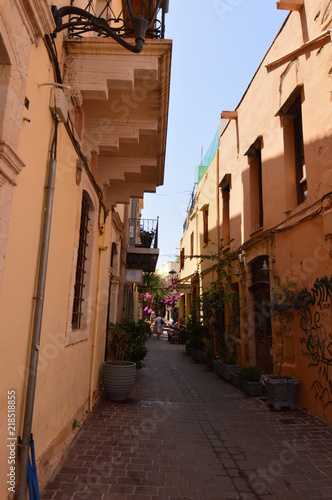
(137, 19)
(238, 272)
(265, 268)
(241, 256)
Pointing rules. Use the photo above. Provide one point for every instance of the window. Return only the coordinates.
(225, 189)
(80, 281)
(256, 185)
(295, 169)
(295, 112)
(192, 245)
(182, 258)
(205, 226)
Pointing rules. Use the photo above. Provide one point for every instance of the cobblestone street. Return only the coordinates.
(185, 433)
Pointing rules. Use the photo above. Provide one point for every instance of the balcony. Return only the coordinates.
(119, 106)
(142, 250)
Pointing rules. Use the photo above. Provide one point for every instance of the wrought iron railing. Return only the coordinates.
(100, 15)
(143, 233)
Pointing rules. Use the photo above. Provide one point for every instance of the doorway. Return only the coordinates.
(260, 289)
(263, 330)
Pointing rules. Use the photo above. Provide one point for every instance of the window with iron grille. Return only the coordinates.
(182, 258)
(205, 226)
(81, 265)
(192, 245)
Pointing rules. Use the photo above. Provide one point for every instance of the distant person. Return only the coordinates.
(159, 325)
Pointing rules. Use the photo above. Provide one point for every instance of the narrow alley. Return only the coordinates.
(185, 433)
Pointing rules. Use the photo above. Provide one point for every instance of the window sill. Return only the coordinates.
(299, 207)
(256, 231)
(76, 336)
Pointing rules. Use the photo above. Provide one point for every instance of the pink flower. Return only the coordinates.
(146, 308)
(149, 311)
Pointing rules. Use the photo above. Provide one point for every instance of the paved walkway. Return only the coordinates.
(186, 434)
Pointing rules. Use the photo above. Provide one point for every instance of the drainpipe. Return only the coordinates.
(95, 333)
(38, 316)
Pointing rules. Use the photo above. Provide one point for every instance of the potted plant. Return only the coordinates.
(287, 298)
(227, 362)
(250, 378)
(125, 351)
(198, 332)
(146, 237)
(212, 357)
(226, 366)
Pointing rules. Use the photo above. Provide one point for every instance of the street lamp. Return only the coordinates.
(137, 18)
(172, 273)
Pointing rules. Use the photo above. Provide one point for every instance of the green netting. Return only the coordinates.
(209, 155)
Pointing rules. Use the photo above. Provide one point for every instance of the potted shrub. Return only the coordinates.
(250, 378)
(287, 298)
(146, 237)
(125, 351)
(196, 335)
(227, 362)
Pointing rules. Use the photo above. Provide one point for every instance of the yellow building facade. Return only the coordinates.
(83, 127)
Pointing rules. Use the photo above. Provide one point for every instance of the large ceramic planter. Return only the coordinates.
(118, 379)
(280, 391)
(252, 388)
(225, 370)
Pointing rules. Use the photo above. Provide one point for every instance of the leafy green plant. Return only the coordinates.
(218, 304)
(230, 359)
(76, 424)
(126, 341)
(197, 333)
(251, 373)
(212, 354)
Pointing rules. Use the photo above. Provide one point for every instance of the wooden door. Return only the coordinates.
(263, 331)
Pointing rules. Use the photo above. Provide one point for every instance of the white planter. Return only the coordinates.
(225, 370)
(118, 379)
(280, 391)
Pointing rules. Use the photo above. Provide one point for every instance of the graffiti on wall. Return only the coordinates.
(317, 339)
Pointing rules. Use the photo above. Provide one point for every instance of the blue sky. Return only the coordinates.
(216, 51)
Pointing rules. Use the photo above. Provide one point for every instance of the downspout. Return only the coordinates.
(95, 333)
(38, 316)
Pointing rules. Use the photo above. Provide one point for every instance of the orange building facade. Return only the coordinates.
(275, 202)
